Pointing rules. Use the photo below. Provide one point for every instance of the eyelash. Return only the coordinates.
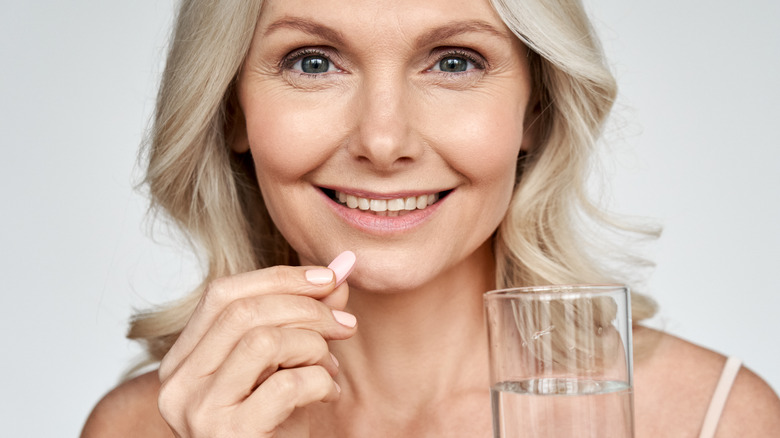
(287, 63)
(293, 57)
(478, 61)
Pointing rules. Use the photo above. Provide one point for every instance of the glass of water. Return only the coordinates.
(561, 361)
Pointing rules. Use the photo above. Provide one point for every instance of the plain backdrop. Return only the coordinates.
(694, 145)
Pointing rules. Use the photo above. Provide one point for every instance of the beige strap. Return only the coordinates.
(718, 401)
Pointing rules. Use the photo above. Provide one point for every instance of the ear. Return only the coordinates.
(235, 127)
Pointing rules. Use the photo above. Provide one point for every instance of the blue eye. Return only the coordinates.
(313, 64)
(452, 64)
(457, 62)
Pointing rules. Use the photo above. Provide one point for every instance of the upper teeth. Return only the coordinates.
(380, 205)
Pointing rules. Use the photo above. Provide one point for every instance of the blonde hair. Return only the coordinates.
(211, 193)
(544, 238)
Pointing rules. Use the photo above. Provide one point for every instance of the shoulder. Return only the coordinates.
(129, 410)
(675, 382)
(752, 408)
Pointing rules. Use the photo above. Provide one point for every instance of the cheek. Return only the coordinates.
(483, 140)
(289, 138)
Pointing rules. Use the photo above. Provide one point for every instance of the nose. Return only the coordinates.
(383, 135)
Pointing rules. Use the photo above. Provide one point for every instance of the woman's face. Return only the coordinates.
(387, 128)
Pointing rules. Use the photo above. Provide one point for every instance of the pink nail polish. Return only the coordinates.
(342, 266)
(335, 361)
(344, 318)
(319, 276)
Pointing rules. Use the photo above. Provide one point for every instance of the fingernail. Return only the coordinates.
(336, 361)
(319, 276)
(344, 318)
(342, 265)
(338, 388)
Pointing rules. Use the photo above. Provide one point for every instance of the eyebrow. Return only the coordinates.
(443, 32)
(456, 28)
(307, 26)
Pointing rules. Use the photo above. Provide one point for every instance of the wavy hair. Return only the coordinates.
(211, 194)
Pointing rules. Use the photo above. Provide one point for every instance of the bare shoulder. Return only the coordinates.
(752, 408)
(674, 384)
(129, 410)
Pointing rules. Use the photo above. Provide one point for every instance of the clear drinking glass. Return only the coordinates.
(561, 361)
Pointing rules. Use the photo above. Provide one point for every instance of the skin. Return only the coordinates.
(264, 353)
(384, 124)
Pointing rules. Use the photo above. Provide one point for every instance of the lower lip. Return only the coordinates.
(383, 225)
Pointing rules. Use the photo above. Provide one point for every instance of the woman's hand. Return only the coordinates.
(255, 350)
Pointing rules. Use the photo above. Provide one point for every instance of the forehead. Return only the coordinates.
(406, 18)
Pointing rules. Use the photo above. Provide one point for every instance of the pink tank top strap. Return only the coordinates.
(719, 397)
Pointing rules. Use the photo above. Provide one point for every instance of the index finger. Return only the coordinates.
(314, 282)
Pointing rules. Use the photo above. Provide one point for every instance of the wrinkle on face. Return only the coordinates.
(385, 122)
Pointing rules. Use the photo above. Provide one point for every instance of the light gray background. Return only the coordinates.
(695, 146)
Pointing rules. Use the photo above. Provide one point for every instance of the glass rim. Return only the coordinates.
(557, 291)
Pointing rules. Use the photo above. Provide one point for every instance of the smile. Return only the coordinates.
(386, 207)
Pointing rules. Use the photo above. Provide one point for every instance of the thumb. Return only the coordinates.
(341, 266)
(337, 300)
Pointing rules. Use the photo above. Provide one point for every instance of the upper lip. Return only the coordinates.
(376, 195)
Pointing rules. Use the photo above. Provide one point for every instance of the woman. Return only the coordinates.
(426, 153)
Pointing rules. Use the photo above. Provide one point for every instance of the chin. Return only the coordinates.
(383, 280)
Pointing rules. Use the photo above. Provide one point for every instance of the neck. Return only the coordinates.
(422, 345)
